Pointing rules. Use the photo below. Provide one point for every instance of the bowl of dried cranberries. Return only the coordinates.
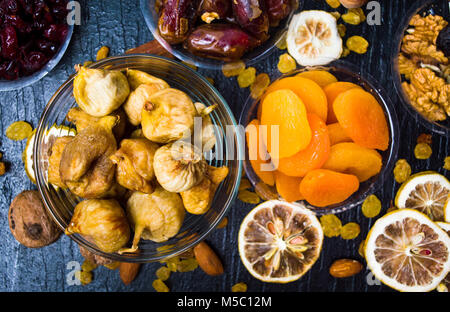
(34, 34)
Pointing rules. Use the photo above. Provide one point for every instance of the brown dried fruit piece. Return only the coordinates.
(29, 222)
(345, 268)
(128, 271)
(207, 259)
(93, 258)
(55, 159)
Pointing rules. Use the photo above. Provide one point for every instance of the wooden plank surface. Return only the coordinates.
(120, 25)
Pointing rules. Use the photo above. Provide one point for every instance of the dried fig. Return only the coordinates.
(82, 120)
(93, 258)
(168, 116)
(99, 92)
(29, 222)
(179, 166)
(208, 136)
(199, 198)
(157, 216)
(137, 100)
(134, 162)
(85, 166)
(55, 159)
(103, 221)
(136, 78)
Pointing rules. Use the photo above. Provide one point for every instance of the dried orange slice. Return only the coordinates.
(426, 192)
(279, 241)
(407, 251)
(445, 284)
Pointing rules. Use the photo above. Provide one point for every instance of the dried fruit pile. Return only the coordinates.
(190, 23)
(31, 33)
(325, 140)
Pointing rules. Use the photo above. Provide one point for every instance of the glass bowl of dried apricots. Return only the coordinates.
(325, 136)
(420, 64)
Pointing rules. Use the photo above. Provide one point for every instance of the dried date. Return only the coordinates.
(221, 8)
(176, 19)
(277, 10)
(252, 16)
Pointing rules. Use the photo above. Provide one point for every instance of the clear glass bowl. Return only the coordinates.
(8, 85)
(229, 150)
(429, 7)
(343, 72)
(252, 57)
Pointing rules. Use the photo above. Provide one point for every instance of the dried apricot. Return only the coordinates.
(402, 171)
(288, 187)
(233, 68)
(246, 77)
(371, 206)
(286, 63)
(322, 187)
(311, 94)
(258, 155)
(331, 225)
(258, 87)
(423, 151)
(321, 77)
(337, 134)
(18, 131)
(332, 91)
(284, 110)
(350, 231)
(354, 159)
(313, 156)
(357, 44)
(362, 117)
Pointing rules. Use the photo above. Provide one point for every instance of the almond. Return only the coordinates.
(128, 271)
(208, 260)
(345, 268)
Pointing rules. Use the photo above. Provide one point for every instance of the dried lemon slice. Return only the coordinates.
(407, 251)
(426, 192)
(444, 286)
(313, 38)
(447, 209)
(279, 241)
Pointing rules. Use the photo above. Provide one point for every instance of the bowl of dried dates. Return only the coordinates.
(134, 159)
(420, 64)
(209, 33)
(34, 35)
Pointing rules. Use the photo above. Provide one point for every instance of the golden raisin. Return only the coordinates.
(447, 163)
(402, 171)
(350, 231)
(187, 265)
(2, 168)
(113, 265)
(163, 273)
(159, 286)
(233, 69)
(286, 63)
(248, 197)
(371, 207)
(102, 53)
(336, 15)
(282, 44)
(239, 287)
(245, 184)
(223, 223)
(87, 63)
(334, 3)
(424, 138)
(84, 277)
(423, 151)
(258, 87)
(331, 225)
(210, 80)
(345, 52)
(442, 288)
(247, 77)
(354, 16)
(18, 131)
(342, 30)
(357, 44)
(88, 266)
(361, 249)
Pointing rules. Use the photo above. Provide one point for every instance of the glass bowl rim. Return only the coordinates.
(213, 64)
(392, 121)
(162, 254)
(6, 85)
(395, 73)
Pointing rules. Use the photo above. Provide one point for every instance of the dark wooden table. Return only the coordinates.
(120, 25)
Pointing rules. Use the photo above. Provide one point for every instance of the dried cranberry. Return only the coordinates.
(34, 61)
(20, 25)
(12, 6)
(11, 70)
(27, 6)
(59, 11)
(47, 46)
(9, 42)
(51, 32)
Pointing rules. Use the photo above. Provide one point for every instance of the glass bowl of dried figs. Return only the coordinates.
(420, 64)
(134, 158)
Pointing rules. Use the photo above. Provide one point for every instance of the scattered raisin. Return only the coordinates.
(163, 273)
(402, 171)
(233, 69)
(350, 231)
(239, 287)
(246, 77)
(423, 151)
(286, 63)
(18, 131)
(102, 53)
(258, 87)
(371, 207)
(331, 225)
(248, 197)
(159, 286)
